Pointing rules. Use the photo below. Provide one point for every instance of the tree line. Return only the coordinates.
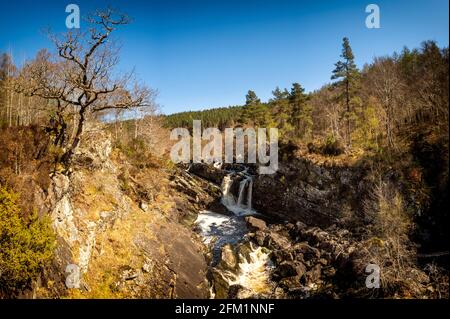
(218, 117)
(377, 107)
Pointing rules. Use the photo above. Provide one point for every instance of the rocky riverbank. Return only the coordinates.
(314, 234)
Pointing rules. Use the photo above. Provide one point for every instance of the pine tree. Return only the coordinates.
(251, 98)
(301, 118)
(253, 111)
(279, 95)
(348, 75)
(281, 111)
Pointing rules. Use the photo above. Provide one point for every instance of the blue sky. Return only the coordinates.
(201, 54)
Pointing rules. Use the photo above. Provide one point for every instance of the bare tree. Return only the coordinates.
(386, 84)
(81, 76)
(144, 119)
(7, 72)
(327, 112)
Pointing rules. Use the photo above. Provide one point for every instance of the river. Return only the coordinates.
(253, 270)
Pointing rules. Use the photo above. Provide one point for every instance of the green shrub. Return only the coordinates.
(26, 243)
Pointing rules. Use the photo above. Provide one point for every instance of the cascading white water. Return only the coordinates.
(242, 186)
(250, 193)
(217, 230)
(209, 221)
(252, 273)
(227, 196)
(228, 200)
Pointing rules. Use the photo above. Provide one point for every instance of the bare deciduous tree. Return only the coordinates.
(82, 76)
(385, 84)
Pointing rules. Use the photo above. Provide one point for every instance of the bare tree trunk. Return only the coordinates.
(11, 108)
(19, 110)
(116, 127)
(28, 111)
(136, 124)
(11, 92)
(67, 157)
(389, 128)
(8, 101)
(74, 124)
(347, 101)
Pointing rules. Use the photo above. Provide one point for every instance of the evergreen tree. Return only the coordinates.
(219, 117)
(281, 111)
(279, 95)
(251, 99)
(348, 75)
(301, 118)
(254, 112)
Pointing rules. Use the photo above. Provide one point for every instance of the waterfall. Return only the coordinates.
(242, 186)
(252, 273)
(254, 266)
(245, 192)
(227, 196)
(249, 194)
(246, 183)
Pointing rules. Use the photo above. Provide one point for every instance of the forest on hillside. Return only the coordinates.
(380, 108)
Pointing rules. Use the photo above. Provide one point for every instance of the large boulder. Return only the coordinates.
(306, 251)
(290, 268)
(94, 150)
(274, 240)
(255, 224)
(290, 283)
(221, 285)
(313, 275)
(228, 259)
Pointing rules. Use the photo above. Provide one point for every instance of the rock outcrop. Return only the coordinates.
(306, 259)
(119, 248)
(316, 194)
(208, 172)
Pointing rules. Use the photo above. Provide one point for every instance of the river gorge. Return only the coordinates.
(257, 255)
(222, 233)
(214, 231)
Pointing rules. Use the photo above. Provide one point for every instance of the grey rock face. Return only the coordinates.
(314, 194)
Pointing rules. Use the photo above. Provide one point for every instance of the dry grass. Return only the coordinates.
(115, 247)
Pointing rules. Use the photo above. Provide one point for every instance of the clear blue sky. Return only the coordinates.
(202, 54)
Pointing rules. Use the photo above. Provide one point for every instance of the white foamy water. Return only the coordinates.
(253, 273)
(208, 221)
(218, 230)
(238, 208)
